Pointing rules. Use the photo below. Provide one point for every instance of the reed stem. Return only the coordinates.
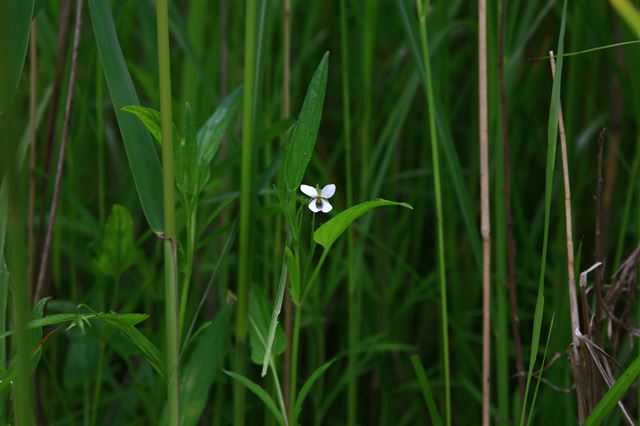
(170, 266)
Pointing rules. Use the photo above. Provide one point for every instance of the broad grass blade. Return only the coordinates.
(143, 158)
(15, 18)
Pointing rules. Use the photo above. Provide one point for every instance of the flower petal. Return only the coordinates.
(328, 191)
(309, 190)
(313, 206)
(326, 206)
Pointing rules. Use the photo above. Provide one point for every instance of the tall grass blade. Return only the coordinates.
(552, 139)
(142, 156)
(628, 13)
(614, 395)
(427, 393)
(15, 19)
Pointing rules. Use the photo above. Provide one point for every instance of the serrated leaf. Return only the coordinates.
(303, 138)
(329, 232)
(117, 251)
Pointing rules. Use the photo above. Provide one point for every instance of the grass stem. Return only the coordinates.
(168, 182)
(435, 158)
(244, 260)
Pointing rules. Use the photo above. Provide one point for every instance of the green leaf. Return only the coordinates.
(139, 340)
(149, 117)
(629, 14)
(259, 392)
(141, 153)
(188, 172)
(210, 134)
(613, 395)
(117, 252)
(202, 368)
(260, 309)
(273, 325)
(15, 18)
(303, 138)
(306, 388)
(329, 232)
(294, 274)
(427, 393)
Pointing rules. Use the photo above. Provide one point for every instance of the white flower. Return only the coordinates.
(319, 197)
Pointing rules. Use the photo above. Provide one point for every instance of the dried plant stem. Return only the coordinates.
(61, 49)
(511, 242)
(573, 298)
(33, 69)
(44, 259)
(485, 223)
(599, 249)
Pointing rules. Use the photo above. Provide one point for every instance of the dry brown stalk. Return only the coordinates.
(44, 260)
(599, 248)
(577, 364)
(485, 223)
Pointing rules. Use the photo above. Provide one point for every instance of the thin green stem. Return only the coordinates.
(346, 116)
(170, 267)
(188, 271)
(294, 360)
(244, 259)
(442, 284)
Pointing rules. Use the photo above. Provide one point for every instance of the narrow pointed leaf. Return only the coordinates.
(329, 232)
(15, 18)
(259, 392)
(142, 156)
(303, 137)
(306, 388)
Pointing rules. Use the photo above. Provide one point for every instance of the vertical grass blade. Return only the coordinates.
(142, 156)
(15, 18)
(244, 255)
(435, 158)
(552, 139)
(426, 391)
